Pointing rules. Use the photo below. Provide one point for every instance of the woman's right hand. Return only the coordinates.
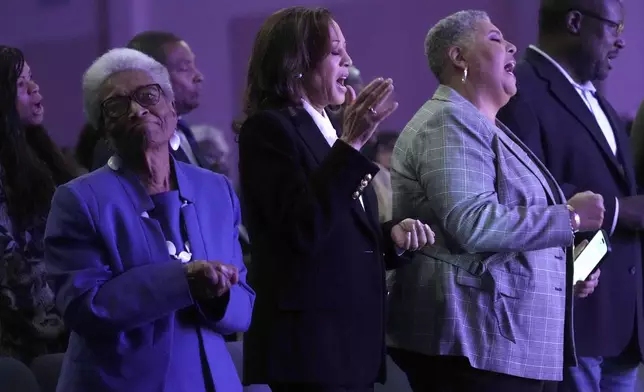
(590, 208)
(363, 114)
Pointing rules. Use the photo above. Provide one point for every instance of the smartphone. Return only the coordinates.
(591, 257)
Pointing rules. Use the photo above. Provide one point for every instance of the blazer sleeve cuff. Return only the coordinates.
(357, 168)
(229, 313)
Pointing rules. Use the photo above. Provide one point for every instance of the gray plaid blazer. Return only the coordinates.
(497, 286)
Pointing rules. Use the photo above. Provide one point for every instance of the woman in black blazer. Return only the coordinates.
(319, 253)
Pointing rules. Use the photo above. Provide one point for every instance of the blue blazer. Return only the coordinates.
(125, 299)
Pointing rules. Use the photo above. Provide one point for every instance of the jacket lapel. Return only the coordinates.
(520, 150)
(319, 148)
(310, 134)
(142, 203)
(623, 143)
(523, 154)
(568, 97)
(187, 192)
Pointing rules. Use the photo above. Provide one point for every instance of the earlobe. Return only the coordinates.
(573, 22)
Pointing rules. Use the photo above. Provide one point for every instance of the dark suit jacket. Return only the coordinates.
(550, 117)
(318, 257)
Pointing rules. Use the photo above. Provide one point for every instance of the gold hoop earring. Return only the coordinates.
(464, 78)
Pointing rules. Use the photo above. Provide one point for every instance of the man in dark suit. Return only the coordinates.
(581, 139)
(175, 54)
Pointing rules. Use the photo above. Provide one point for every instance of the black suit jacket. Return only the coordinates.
(318, 257)
(548, 114)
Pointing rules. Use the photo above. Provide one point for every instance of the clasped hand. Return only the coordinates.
(412, 234)
(210, 279)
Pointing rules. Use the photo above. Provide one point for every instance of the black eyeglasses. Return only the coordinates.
(617, 26)
(119, 106)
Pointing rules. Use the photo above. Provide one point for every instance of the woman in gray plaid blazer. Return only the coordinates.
(487, 308)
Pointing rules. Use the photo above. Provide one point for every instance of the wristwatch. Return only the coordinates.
(575, 220)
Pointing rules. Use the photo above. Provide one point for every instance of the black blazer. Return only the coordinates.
(548, 114)
(318, 257)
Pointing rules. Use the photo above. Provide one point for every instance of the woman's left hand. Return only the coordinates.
(412, 234)
(227, 276)
(229, 271)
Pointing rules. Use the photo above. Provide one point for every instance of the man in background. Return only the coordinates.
(577, 134)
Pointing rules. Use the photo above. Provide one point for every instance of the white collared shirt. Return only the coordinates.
(324, 125)
(186, 147)
(587, 94)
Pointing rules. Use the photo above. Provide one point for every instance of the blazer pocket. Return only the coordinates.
(508, 305)
(505, 291)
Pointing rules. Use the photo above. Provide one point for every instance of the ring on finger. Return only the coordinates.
(373, 111)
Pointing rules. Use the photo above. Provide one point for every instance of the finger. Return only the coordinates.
(222, 287)
(234, 275)
(384, 97)
(370, 88)
(349, 96)
(420, 232)
(580, 290)
(413, 245)
(407, 241)
(431, 238)
(378, 95)
(387, 112)
(211, 274)
(596, 274)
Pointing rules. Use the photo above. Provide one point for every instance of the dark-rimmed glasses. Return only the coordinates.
(119, 106)
(617, 26)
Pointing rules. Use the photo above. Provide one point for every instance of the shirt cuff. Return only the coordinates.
(612, 229)
(399, 251)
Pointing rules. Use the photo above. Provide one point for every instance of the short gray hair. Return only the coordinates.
(112, 62)
(454, 30)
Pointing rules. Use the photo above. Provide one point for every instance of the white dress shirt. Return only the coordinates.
(324, 125)
(186, 147)
(586, 92)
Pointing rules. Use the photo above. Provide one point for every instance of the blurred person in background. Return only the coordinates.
(31, 167)
(215, 149)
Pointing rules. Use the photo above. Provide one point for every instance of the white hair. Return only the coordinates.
(112, 62)
(454, 30)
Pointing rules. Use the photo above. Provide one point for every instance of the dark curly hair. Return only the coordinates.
(31, 165)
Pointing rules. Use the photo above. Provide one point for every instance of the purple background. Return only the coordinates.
(62, 37)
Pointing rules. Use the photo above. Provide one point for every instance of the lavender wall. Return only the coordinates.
(61, 38)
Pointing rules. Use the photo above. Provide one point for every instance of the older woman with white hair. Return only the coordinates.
(487, 308)
(144, 252)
